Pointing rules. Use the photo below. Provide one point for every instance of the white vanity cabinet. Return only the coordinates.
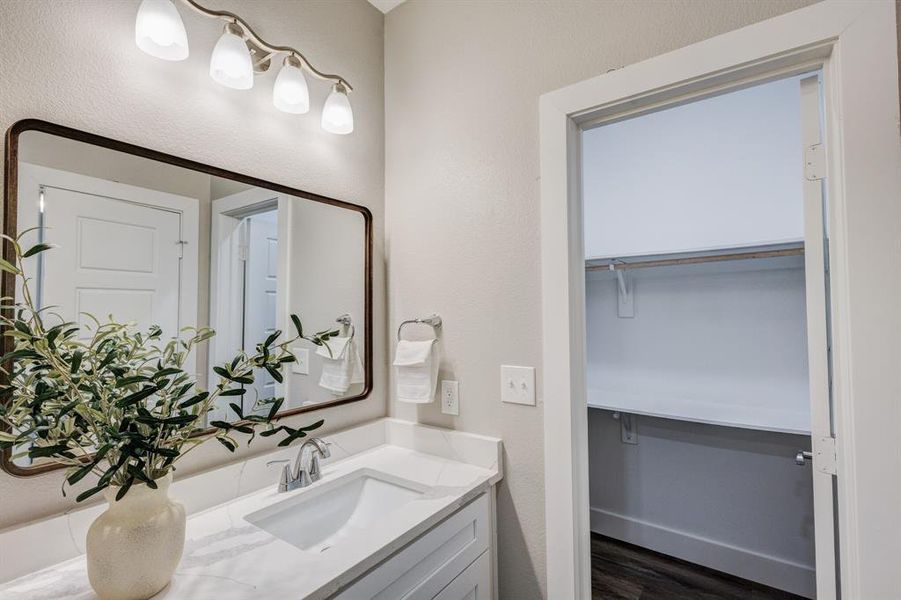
(451, 561)
(403, 517)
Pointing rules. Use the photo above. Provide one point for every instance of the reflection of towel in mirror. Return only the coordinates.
(416, 366)
(343, 367)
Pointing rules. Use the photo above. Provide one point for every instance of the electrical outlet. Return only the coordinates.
(301, 366)
(518, 385)
(450, 397)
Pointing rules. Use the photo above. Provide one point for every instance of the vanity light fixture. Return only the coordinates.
(159, 30)
(337, 117)
(231, 63)
(240, 54)
(290, 93)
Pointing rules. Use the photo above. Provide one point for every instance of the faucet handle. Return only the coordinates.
(301, 478)
(315, 468)
(325, 449)
(284, 480)
(322, 451)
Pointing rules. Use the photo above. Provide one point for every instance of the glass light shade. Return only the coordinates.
(337, 116)
(159, 30)
(231, 64)
(290, 93)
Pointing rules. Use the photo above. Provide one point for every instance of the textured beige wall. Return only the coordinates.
(462, 192)
(74, 62)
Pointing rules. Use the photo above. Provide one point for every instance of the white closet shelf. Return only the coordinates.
(768, 251)
(702, 411)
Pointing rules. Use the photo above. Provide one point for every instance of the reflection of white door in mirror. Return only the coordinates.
(260, 289)
(124, 251)
(247, 273)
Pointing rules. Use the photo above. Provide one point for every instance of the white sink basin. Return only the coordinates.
(318, 518)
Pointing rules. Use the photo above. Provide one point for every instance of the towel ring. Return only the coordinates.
(347, 322)
(434, 321)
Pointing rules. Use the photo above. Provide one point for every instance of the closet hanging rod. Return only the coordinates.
(694, 260)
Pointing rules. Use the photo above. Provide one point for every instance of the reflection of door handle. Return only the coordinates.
(802, 457)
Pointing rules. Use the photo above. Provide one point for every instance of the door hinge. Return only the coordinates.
(824, 456)
(181, 248)
(815, 162)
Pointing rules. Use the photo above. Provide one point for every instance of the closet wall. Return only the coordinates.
(722, 343)
(725, 497)
(729, 499)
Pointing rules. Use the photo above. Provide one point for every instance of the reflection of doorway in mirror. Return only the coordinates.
(260, 292)
(246, 285)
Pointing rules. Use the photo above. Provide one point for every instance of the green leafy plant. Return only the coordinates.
(110, 401)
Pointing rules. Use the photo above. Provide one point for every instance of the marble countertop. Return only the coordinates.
(227, 558)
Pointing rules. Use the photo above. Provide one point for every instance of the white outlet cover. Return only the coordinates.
(450, 397)
(301, 366)
(518, 385)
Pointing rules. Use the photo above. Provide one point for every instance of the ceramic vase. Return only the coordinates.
(134, 547)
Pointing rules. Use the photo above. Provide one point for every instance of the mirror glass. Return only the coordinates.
(149, 242)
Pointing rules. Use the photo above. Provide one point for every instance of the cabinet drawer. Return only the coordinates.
(427, 565)
(472, 584)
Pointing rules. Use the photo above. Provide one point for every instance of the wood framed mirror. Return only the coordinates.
(156, 239)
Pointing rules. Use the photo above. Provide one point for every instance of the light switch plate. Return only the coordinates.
(518, 385)
(301, 366)
(450, 397)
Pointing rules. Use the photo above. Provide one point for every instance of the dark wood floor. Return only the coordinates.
(621, 571)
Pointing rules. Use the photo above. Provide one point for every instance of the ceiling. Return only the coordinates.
(385, 5)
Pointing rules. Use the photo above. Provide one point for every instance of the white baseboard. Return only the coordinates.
(768, 570)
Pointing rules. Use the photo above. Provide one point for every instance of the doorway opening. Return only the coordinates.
(855, 45)
(706, 303)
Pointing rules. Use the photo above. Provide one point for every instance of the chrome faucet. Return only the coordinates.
(301, 476)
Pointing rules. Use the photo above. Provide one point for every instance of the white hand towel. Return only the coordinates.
(416, 368)
(343, 367)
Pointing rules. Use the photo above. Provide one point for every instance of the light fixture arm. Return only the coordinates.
(270, 49)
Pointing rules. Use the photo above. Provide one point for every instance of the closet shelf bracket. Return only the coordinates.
(628, 427)
(625, 307)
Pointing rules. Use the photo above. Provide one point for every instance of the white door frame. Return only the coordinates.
(226, 295)
(855, 42)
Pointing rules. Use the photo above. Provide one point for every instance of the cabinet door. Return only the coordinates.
(423, 568)
(472, 584)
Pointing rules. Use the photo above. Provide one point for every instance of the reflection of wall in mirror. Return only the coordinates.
(326, 280)
(325, 249)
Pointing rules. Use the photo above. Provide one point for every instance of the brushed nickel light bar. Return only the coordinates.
(238, 55)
